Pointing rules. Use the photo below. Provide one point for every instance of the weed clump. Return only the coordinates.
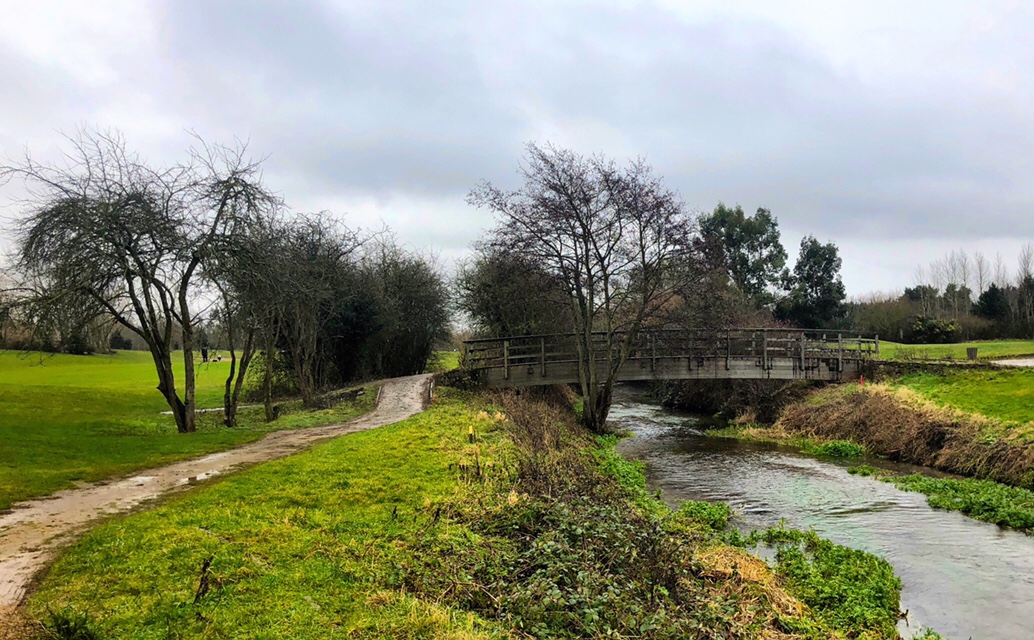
(836, 449)
(981, 499)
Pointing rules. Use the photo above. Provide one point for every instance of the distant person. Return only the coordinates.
(204, 354)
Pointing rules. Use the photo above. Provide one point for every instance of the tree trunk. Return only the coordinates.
(268, 349)
(167, 387)
(229, 406)
(187, 327)
(189, 402)
(303, 372)
(234, 383)
(596, 407)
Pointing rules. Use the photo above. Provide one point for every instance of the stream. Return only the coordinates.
(962, 578)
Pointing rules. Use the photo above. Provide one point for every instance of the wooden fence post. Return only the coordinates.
(840, 352)
(506, 359)
(542, 355)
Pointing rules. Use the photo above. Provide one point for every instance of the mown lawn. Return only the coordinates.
(1006, 394)
(986, 350)
(83, 418)
(298, 547)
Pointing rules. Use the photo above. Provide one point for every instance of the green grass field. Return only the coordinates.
(83, 418)
(301, 547)
(444, 361)
(412, 531)
(986, 350)
(1006, 394)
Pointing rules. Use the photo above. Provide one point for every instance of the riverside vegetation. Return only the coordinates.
(485, 516)
(977, 423)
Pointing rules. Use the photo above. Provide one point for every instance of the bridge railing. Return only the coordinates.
(760, 344)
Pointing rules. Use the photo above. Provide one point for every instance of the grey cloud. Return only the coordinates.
(388, 97)
(416, 102)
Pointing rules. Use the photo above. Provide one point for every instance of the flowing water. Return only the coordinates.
(963, 578)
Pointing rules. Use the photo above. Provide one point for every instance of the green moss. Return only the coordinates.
(715, 515)
(865, 470)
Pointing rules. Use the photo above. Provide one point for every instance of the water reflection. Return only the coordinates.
(961, 577)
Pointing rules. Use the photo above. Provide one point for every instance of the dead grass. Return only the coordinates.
(14, 625)
(734, 572)
(901, 425)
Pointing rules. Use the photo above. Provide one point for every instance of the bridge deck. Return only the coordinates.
(754, 354)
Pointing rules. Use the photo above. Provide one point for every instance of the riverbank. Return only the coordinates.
(903, 424)
(485, 516)
(974, 423)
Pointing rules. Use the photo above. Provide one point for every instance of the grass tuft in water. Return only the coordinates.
(835, 449)
(980, 499)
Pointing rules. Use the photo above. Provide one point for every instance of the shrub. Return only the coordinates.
(926, 330)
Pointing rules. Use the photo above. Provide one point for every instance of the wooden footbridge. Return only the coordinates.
(677, 354)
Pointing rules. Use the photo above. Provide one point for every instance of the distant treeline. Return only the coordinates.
(956, 298)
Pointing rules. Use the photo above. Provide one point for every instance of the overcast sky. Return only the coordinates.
(897, 130)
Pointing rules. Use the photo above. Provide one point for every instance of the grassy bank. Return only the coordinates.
(903, 425)
(83, 418)
(972, 423)
(482, 517)
(1006, 395)
(986, 350)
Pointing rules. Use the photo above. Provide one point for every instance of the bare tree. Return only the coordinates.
(133, 238)
(1025, 262)
(245, 272)
(965, 270)
(926, 291)
(316, 254)
(1001, 272)
(983, 272)
(1025, 287)
(615, 239)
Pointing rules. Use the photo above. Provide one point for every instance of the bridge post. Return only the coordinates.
(542, 354)
(506, 359)
(802, 354)
(877, 346)
(840, 355)
(764, 349)
(653, 351)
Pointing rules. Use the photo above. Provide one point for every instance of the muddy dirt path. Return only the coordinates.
(1017, 362)
(35, 530)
